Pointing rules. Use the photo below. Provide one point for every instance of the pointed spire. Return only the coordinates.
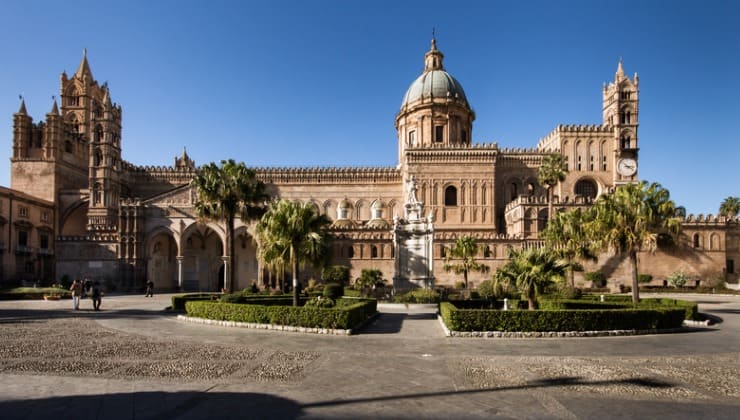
(106, 99)
(84, 68)
(54, 108)
(620, 69)
(22, 110)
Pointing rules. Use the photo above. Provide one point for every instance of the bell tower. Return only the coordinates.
(620, 111)
(94, 123)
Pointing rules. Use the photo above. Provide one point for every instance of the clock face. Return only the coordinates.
(627, 167)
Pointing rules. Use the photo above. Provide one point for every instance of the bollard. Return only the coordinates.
(506, 304)
(602, 298)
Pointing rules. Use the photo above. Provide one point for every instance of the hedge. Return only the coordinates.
(560, 320)
(178, 301)
(345, 317)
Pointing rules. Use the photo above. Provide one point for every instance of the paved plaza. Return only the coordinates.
(134, 360)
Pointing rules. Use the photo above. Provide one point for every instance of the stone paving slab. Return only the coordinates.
(133, 360)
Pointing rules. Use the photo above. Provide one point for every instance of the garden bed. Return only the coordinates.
(570, 316)
(349, 313)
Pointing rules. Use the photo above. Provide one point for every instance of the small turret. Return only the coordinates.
(83, 70)
(22, 110)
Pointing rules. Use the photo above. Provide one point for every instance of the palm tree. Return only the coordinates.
(730, 207)
(530, 271)
(566, 235)
(463, 252)
(630, 220)
(552, 170)
(225, 192)
(292, 234)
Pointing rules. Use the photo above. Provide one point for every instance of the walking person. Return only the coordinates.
(76, 290)
(97, 295)
(149, 289)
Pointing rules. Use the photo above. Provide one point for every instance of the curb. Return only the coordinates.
(565, 334)
(272, 327)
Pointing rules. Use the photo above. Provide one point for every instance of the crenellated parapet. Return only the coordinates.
(516, 157)
(479, 236)
(709, 220)
(159, 174)
(361, 233)
(329, 175)
(551, 142)
(562, 204)
(450, 153)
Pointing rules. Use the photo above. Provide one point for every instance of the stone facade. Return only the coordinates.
(122, 223)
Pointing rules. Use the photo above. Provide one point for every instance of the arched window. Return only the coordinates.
(586, 188)
(350, 252)
(487, 252)
(714, 242)
(98, 133)
(97, 194)
(696, 240)
(97, 157)
(514, 192)
(451, 196)
(625, 142)
(374, 252)
(443, 251)
(530, 189)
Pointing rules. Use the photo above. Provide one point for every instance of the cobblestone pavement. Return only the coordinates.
(134, 360)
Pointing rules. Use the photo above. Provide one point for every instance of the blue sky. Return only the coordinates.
(318, 83)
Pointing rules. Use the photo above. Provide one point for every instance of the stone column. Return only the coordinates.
(227, 264)
(179, 259)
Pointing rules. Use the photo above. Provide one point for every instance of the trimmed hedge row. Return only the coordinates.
(558, 320)
(178, 301)
(345, 317)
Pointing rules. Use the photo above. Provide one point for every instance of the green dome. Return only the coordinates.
(434, 84)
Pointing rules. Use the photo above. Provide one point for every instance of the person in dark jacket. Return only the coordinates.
(97, 295)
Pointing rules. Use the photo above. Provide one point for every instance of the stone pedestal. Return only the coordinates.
(413, 238)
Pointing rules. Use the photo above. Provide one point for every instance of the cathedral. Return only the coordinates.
(75, 208)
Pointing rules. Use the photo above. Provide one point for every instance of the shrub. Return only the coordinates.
(178, 301)
(321, 302)
(418, 296)
(644, 278)
(333, 291)
(369, 278)
(596, 277)
(678, 279)
(561, 320)
(490, 289)
(566, 291)
(349, 315)
(460, 285)
(336, 274)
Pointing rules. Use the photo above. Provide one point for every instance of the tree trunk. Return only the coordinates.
(572, 275)
(295, 282)
(532, 301)
(229, 280)
(635, 285)
(465, 277)
(549, 202)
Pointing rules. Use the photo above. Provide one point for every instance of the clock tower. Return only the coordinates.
(620, 112)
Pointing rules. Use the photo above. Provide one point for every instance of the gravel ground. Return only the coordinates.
(666, 378)
(81, 347)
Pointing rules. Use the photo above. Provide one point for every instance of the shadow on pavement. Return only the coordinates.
(199, 405)
(154, 405)
(14, 315)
